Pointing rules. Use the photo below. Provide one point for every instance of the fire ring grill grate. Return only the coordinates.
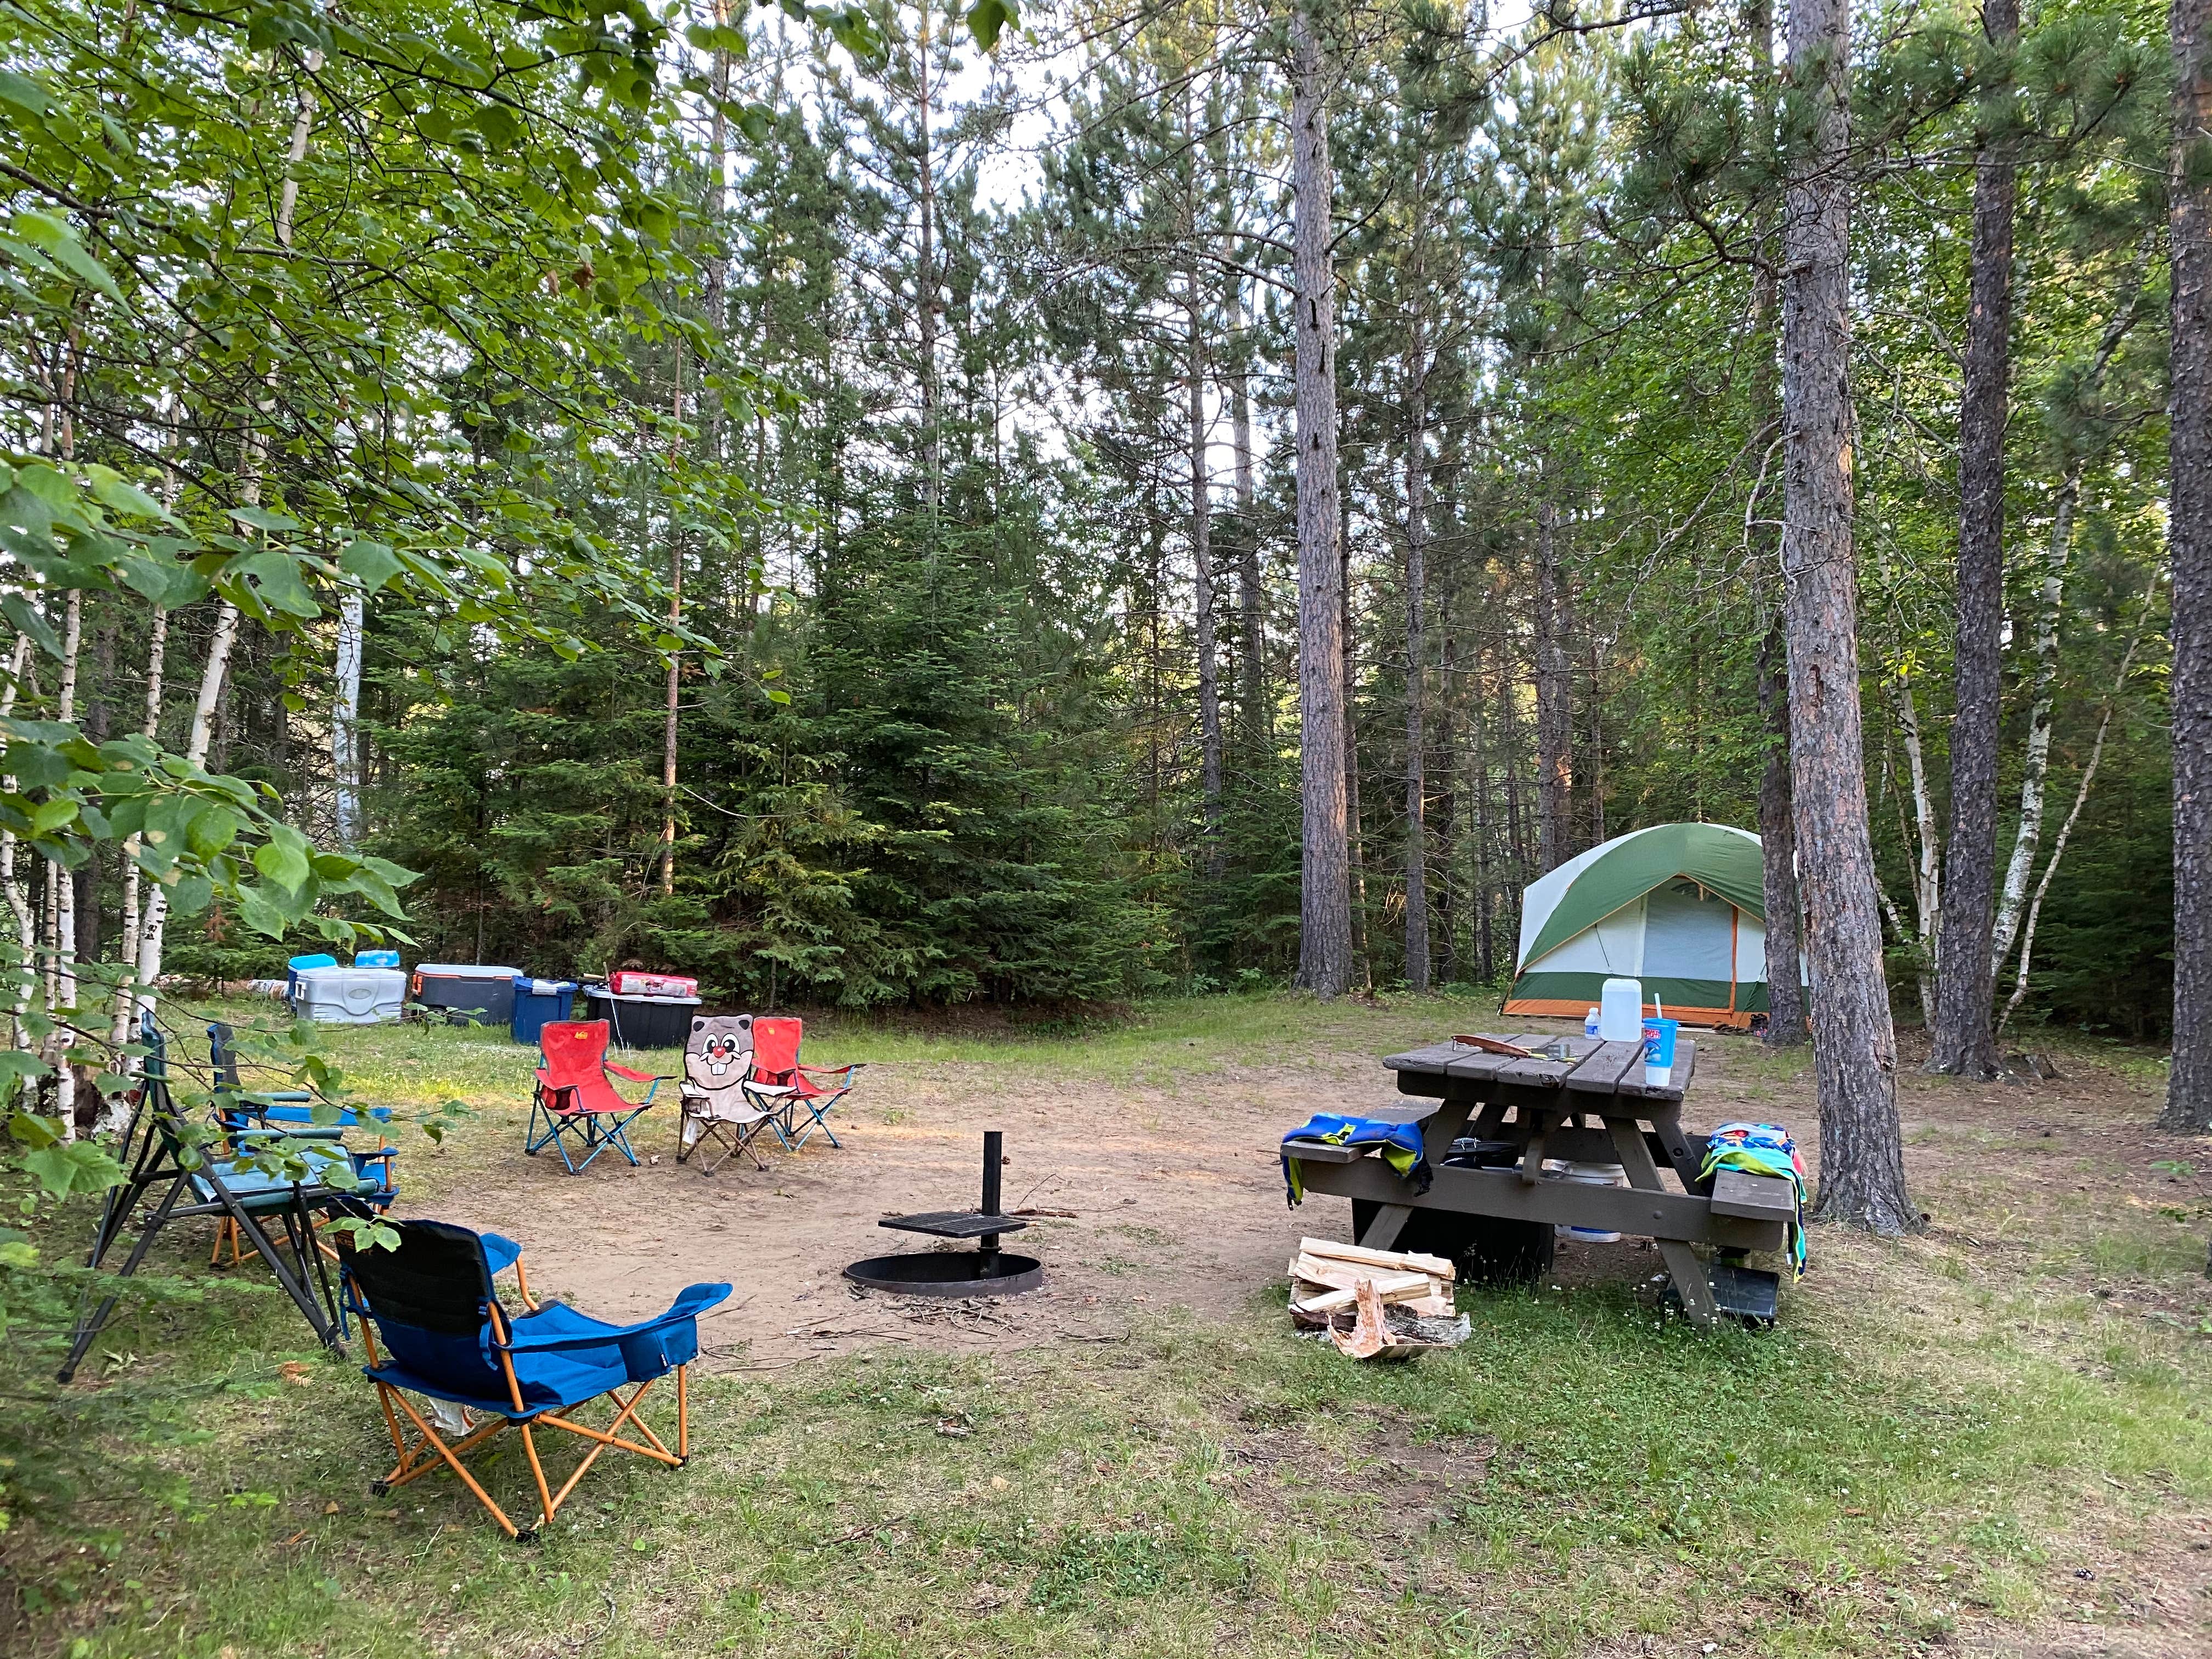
(984, 1270)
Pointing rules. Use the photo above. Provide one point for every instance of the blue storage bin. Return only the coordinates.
(539, 1003)
(376, 959)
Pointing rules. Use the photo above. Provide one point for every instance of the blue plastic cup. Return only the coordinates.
(1659, 1049)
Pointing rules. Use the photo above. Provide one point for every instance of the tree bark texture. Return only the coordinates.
(2189, 198)
(1778, 844)
(1554, 712)
(1964, 1035)
(1325, 893)
(1861, 1147)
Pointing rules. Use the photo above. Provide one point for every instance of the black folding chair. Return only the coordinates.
(284, 1175)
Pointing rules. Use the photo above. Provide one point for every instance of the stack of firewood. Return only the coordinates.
(1325, 1281)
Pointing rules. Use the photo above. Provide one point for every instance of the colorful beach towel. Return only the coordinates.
(1400, 1143)
(1763, 1149)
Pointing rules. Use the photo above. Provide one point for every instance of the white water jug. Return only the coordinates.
(1620, 1011)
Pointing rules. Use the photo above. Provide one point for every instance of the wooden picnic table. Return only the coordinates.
(1591, 1107)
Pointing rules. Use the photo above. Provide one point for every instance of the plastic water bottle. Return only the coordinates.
(1589, 1024)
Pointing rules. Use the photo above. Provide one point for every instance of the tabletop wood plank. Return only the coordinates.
(1632, 1086)
(1602, 1071)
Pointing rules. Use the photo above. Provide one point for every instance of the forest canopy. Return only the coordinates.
(809, 497)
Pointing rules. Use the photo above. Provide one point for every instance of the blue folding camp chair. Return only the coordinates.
(292, 1111)
(431, 1304)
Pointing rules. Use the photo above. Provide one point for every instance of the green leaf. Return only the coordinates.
(285, 866)
(75, 1166)
(54, 238)
(372, 563)
(24, 93)
(18, 611)
(988, 17)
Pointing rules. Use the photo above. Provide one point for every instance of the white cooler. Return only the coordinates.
(350, 996)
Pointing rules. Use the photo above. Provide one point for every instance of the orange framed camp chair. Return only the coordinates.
(576, 1103)
(433, 1326)
(777, 1077)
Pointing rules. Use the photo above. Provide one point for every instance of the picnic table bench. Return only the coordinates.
(1592, 1106)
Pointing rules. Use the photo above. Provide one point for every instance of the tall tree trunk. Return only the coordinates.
(1325, 964)
(154, 927)
(1964, 1032)
(345, 718)
(1855, 1051)
(2035, 761)
(1417, 541)
(1259, 724)
(1201, 522)
(1597, 769)
(1363, 961)
(19, 904)
(1927, 882)
(925, 285)
(1554, 712)
(1777, 825)
(2189, 535)
(675, 687)
(2080, 800)
(1778, 840)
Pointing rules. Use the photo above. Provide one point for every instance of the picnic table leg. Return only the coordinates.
(1382, 1231)
(1683, 1266)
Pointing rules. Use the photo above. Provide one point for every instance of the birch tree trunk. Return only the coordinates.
(1855, 1051)
(1325, 892)
(1927, 877)
(1554, 714)
(61, 1003)
(1964, 1031)
(253, 454)
(2081, 799)
(19, 904)
(2189, 217)
(345, 718)
(2035, 763)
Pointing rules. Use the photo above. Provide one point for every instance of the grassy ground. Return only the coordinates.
(1994, 1433)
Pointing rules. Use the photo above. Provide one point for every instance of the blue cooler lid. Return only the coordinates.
(544, 988)
(298, 963)
(376, 959)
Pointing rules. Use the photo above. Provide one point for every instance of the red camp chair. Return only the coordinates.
(781, 1085)
(576, 1100)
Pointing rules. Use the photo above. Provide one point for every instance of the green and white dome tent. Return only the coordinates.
(1680, 907)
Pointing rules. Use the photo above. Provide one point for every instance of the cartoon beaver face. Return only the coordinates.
(721, 1054)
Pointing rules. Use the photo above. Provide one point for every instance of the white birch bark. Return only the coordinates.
(2035, 765)
(1927, 882)
(154, 927)
(18, 903)
(2066, 829)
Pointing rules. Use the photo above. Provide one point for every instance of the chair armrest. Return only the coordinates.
(848, 1070)
(637, 1077)
(302, 1132)
(689, 1304)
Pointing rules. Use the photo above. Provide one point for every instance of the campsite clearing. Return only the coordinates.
(1993, 1436)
